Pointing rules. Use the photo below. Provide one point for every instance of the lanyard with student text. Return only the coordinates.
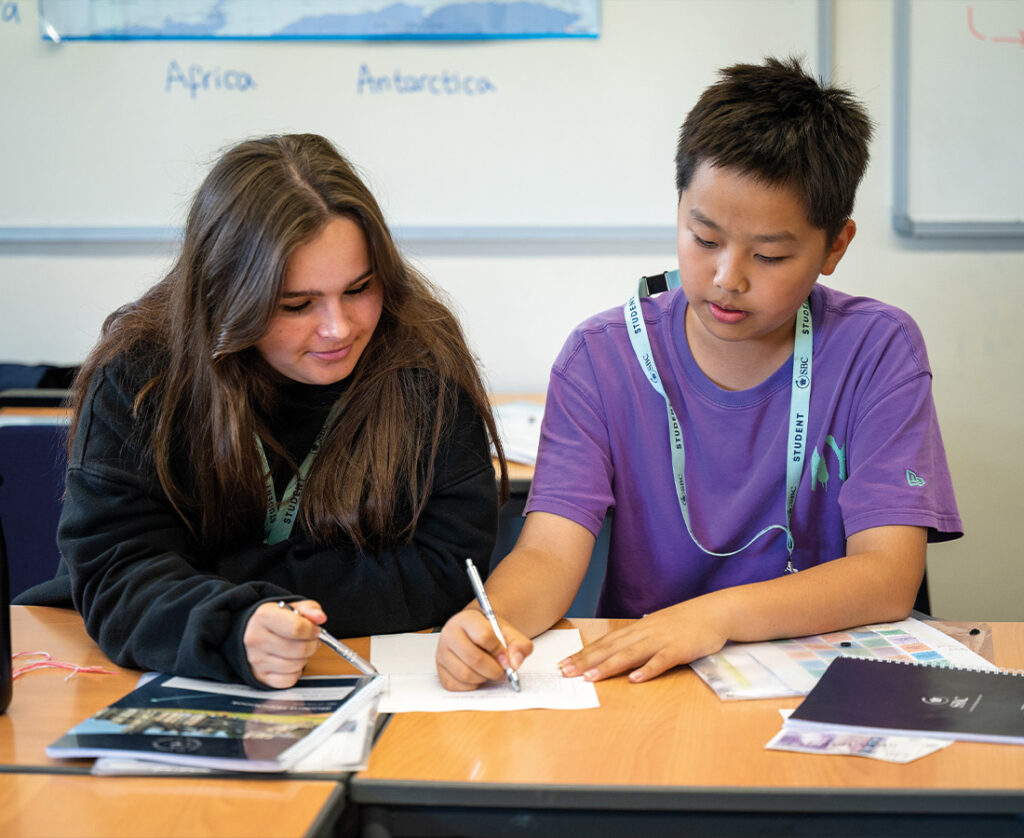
(799, 405)
(281, 516)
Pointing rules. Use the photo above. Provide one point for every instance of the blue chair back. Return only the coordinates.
(33, 460)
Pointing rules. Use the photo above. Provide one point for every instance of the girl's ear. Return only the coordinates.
(838, 247)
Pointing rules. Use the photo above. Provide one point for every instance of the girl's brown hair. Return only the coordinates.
(199, 410)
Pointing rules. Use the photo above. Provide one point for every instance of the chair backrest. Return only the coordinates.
(32, 465)
(47, 397)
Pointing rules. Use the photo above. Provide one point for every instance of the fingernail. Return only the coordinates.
(590, 674)
(517, 660)
(636, 676)
(567, 668)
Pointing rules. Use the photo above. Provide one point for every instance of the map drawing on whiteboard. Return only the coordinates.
(116, 20)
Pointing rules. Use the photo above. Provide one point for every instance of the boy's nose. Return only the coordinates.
(729, 276)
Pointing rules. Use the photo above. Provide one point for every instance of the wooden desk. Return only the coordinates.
(669, 758)
(60, 413)
(53, 798)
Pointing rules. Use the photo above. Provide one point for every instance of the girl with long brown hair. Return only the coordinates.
(292, 414)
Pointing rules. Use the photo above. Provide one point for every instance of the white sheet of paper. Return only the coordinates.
(519, 426)
(413, 686)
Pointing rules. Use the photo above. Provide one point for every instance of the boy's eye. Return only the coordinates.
(294, 308)
(703, 242)
(770, 260)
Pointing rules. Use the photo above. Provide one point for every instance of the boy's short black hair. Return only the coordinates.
(775, 122)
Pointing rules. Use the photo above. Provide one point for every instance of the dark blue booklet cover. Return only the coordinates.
(187, 721)
(879, 697)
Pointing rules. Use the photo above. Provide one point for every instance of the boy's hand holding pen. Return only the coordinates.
(485, 606)
(472, 651)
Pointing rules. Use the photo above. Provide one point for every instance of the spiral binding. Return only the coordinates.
(999, 670)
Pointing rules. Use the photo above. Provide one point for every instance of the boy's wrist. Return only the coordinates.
(723, 612)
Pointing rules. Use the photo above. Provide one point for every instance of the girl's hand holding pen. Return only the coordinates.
(279, 641)
(469, 654)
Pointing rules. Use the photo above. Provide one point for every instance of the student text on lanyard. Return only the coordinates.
(281, 516)
(799, 405)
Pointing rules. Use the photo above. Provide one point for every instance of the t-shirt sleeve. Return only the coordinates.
(574, 472)
(898, 469)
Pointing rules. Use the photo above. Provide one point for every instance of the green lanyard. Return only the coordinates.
(799, 404)
(281, 516)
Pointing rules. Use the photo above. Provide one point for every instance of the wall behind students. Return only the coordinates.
(519, 300)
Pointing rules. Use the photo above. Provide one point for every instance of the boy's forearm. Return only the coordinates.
(534, 585)
(532, 589)
(876, 582)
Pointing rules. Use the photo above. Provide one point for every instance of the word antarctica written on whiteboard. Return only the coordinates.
(445, 83)
(196, 78)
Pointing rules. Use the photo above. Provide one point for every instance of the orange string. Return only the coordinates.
(48, 662)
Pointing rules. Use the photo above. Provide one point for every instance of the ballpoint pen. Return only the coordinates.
(485, 606)
(332, 643)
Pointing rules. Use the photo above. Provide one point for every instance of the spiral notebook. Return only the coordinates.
(878, 697)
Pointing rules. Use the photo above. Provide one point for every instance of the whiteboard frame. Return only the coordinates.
(901, 220)
(109, 234)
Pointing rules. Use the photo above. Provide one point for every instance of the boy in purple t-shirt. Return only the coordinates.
(769, 446)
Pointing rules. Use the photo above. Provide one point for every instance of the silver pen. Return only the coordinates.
(485, 606)
(335, 645)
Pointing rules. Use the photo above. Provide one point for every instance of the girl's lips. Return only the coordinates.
(334, 354)
(726, 315)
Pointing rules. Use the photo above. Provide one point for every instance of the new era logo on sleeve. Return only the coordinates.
(913, 479)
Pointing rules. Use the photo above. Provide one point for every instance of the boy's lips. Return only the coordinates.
(724, 314)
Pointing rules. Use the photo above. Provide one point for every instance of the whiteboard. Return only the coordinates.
(959, 120)
(527, 138)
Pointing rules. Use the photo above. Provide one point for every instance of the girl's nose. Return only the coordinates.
(334, 323)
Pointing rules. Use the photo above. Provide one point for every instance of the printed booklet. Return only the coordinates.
(230, 727)
(779, 668)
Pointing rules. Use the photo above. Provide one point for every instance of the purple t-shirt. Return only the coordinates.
(875, 454)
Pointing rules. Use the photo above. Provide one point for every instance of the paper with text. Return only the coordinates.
(779, 668)
(407, 660)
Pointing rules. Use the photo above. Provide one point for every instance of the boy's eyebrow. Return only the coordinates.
(782, 236)
(312, 293)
